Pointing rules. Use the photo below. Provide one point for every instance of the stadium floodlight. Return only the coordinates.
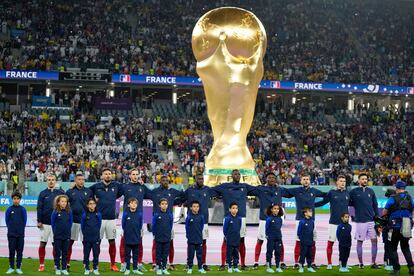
(293, 100)
(111, 93)
(174, 98)
(48, 92)
(351, 104)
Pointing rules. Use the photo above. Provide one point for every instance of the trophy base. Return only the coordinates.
(214, 177)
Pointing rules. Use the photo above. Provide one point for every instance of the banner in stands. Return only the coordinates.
(163, 80)
(26, 201)
(29, 75)
(41, 101)
(337, 87)
(114, 103)
(268, 84)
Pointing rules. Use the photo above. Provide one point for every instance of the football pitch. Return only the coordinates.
(30, 267)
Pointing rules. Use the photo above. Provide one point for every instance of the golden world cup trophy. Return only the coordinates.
(229, 45)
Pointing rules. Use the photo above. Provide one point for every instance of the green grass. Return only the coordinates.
(30, 266)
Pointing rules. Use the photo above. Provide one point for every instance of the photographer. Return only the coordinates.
(399, 209)
(382, 227)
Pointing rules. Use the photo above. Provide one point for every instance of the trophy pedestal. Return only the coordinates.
(214, 177)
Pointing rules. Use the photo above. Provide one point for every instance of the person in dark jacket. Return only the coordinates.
(91, 224)
(305, 233)
(339, 202)
(61, 221)
(45, 203)
(364, 200)
(384, 230)
(78, 196)
(268, 195)
(202, 194)
(132, 226)
(237, 192)
(16, 218)
(231, 229)
(173, 197)
(399, 209)
(162, 224)
(137, 189)
(273, 232)
(343, 234)
(106, 193)
(304, 198)
(194, 225)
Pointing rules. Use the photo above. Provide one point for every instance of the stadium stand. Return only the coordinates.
(324, 41)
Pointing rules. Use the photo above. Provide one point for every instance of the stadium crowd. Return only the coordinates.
(50, 145)
(331, 41)
(292, 142)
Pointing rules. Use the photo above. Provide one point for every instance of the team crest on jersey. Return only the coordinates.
(86, 193)
(169, 195)
(128, 218)
(346, 197)
(369, 195)
(242, 189)
(275, 193)
(231, 221)
(113, 190)
(311, 194)
(273, 220)
(205, 194)
(58, 215)
(191, 219)
(12, 212)
(140, 190)
(159, 217)
(306, 224)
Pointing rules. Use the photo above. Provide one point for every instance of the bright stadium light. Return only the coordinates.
(48, 92)
(174, 98)
(111, 93)
(351, 104)
(406, 105)
(293, 100)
